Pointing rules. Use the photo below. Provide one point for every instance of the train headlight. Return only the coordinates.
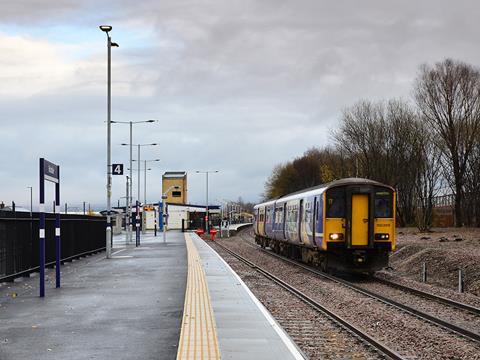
(382, 236)
(335, 236)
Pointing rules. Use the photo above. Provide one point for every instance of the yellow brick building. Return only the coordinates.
(175, 178)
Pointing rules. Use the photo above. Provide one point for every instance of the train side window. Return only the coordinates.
(278, 215)
(336, 203)
(383, 204)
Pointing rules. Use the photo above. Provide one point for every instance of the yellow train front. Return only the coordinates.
(347, 225)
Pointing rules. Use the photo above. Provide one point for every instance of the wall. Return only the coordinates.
(181, 183)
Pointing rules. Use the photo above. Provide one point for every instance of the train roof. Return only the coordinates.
(266, 203)
(319, 189)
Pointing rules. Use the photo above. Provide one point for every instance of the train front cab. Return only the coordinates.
(359, 226)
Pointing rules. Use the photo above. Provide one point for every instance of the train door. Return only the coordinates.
(360, 219)
(300, 222)
(314, 221)
(284, 221)
(274, 219)
(261, 226)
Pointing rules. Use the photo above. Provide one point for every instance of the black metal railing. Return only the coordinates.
(19, 244)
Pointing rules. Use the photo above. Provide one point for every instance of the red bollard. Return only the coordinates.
(199, 232)
(213, 232)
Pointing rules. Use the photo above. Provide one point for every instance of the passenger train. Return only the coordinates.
(346, 225)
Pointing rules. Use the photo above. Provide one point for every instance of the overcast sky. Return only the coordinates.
(237, 86)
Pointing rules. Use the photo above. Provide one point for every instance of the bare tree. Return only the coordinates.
(363, 137)
(316, 166)
(448, 95)
(405, 136)
(382, 138)
(472, 187)
(429, 179)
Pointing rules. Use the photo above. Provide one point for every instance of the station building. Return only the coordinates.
(175, 178)
(189, 216)
(181, 214)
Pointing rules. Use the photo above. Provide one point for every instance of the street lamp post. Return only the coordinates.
(138, 167)
(207, 219)
(138, 181)
(145, 184)
(145, 193)
(139, 202)
(131, 168)
(145, 178)
(107, 29)
(131, 123)
(128, 211)
(126, 208)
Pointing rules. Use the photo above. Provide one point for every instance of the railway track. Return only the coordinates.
(465, 327)
(456, 304)
(426, 295)
(473, 336)
(379, 347)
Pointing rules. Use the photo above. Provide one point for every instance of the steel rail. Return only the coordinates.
(470, 335)
(378, 346)
(456, 304)
(444, 300)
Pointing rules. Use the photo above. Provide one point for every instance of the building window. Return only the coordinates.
(176, 193)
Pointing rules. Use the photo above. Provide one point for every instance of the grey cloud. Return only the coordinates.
(238, 86)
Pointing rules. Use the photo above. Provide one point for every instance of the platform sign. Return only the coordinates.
(49, 172)
(117, 169)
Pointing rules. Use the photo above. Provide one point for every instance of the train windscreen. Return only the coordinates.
(383, 203)
(336, 203)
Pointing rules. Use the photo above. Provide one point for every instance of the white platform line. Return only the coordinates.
(294, 350)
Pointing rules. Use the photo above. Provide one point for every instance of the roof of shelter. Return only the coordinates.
(174, 174)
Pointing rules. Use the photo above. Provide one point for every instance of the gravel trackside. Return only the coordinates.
(408, 335)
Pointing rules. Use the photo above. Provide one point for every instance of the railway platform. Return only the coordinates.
(158, 301)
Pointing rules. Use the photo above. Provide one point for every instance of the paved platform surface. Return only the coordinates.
(229, 316)
(141, 305)
(129, 307)
(235, 227)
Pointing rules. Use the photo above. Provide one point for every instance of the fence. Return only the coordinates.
(443, 212)
(19, 245)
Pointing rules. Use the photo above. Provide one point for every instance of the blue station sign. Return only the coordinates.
(50, 171)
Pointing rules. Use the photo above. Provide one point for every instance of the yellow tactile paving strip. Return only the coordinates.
(198, 337)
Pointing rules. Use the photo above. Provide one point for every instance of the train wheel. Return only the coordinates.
(323, 265)
(276, 248)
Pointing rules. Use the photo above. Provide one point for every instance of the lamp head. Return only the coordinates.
(114, 44)
(123, 144)
(151, 121)
(105, 28)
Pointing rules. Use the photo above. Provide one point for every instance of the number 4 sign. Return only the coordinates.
(117, 169)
